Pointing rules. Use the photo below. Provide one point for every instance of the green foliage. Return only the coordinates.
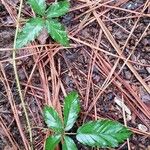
(100, 133)
(52, 119)
(68, 144)
(71, 110)
(30, 31)
(45, 19)
(58, 9)
(38, 6)
(52, 141)
(57, 32)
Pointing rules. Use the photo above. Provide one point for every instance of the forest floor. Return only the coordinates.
(107, 63)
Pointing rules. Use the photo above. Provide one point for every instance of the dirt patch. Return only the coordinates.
(47, 72)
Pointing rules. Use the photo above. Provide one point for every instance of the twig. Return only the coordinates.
(17, 77)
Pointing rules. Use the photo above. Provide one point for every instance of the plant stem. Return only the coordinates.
(66, 133)
(17, 77)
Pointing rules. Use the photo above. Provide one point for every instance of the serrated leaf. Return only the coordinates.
(52, 119)
(57, 32)
(58, 9)
(52, 141)
(31, 29)
(104, 133)
(38, 6)
(68, 144)
(71, 110)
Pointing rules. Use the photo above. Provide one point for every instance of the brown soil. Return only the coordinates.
(98, 36)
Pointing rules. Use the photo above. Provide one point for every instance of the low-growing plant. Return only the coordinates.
(99, 133)
(46, 18)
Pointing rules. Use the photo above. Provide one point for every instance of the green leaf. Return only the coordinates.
(31, 29)
(71, 110)
(104, 133)
(38, 6)
(58, 9)
(52, 141)
(52, 119)
(57, 32)
(68, 144)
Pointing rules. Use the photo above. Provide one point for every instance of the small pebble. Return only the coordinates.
(148, 69)
(142, 127)
(128, 75)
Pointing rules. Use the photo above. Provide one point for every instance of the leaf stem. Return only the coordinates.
(17, 77)
(66, 133)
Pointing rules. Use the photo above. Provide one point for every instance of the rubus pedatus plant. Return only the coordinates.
(45, 18)
(100, 133)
